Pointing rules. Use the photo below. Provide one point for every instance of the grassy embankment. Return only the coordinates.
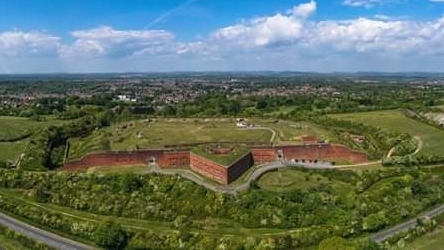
(394, 120)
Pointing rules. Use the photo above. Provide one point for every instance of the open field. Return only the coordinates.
(16, 127)
(288, 179)
(288, 131)
(394, 120)
(11, 151)
(166, 132)
(13, 133)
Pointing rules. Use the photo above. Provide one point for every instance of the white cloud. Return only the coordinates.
(305, 10)
(282, 41)
(265, 31)
(268, 31)
(24, 44)
(437, 1)
(106, 41)
(361, 3)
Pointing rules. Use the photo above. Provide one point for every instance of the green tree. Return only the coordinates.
(110, 235)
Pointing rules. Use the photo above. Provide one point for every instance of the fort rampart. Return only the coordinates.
(223, 174)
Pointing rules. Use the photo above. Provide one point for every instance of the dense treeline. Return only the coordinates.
(374, 200)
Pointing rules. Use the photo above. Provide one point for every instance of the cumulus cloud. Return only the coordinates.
(293, 32)
(24, 44)
(268, 31)
(286, 40)
(106, 41)
(305, 10)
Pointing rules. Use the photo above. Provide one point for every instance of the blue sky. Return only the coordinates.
(198, 35)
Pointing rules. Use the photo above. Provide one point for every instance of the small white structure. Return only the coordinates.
(126, 98)
(241, 125)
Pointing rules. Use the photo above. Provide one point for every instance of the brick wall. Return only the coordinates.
(322, 151)
(174, 159)
(263, 155)
(125, 158)
(210, 169)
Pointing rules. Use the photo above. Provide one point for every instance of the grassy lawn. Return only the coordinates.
(17, 127)
(394, 120)
(288, 132)
(225, 160)
(286, 179)
(13, 127)
(11, 151)
(140, 134)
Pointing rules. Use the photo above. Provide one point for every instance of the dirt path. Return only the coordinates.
(419, 145)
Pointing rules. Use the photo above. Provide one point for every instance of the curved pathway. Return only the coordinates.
(234, 189)
(387, 233)
(37, 234)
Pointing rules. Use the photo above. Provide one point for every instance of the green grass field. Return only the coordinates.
(13, 127)
(394, 120)
(287, 179)
(291, 132)
(16, 127)
(140, 134)
(225, 160)
(11, 151)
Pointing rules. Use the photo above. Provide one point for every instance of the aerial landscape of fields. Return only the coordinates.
(226, 125)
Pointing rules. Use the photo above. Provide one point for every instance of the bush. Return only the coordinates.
(110, 236)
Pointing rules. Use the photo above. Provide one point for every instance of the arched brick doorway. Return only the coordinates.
(152, 160)
(280, 154)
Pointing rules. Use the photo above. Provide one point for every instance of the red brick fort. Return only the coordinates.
(218, 172)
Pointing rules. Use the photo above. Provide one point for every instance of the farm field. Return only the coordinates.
(394, 120)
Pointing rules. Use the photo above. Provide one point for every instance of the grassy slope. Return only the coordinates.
(225, 160)
(13, 127)
(10, 151)
(286, 179)
(433, 138)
